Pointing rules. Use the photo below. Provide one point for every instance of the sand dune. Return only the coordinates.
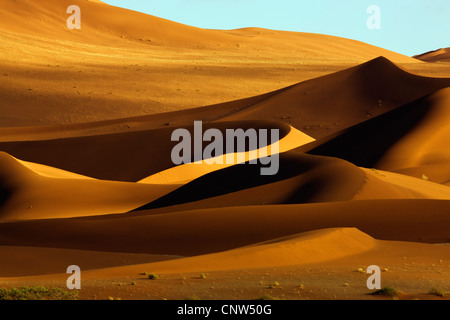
(412, 137)
(128, 156)
(213, 230)
(440, 55)
(359, 99)
(305, 248)
(188, 172)
(345, 98)
(167, 66)
(400, 186)
(87, 178)
(301, 179)
(100, 20)
(322, 106)
(60, 259)
(28, 194)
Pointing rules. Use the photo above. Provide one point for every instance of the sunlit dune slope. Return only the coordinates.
(100, 20)
(440, 55)
(124, 63)
(300, 249)
(191, 171)
(30, 191)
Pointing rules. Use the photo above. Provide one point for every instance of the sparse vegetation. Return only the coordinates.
(267, 297)
(274, 285)
(386, 291)
(203, 276)
(193, 297)
(153, 276)
(440, 292)
(37, 293)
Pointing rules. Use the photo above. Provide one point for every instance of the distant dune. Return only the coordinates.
(124, 63)
(440, 55)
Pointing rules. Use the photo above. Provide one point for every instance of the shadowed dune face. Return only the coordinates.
(129, 156)
(325, 105)
(301, 179)
(402, 140)
(27, 194)
(14, 177)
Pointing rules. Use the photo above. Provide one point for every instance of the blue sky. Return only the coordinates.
(407, 26)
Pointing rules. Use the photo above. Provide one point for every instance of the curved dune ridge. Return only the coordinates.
(301, 179)
(324, 105)
(127, 156)
(190, 171)
(33, 191)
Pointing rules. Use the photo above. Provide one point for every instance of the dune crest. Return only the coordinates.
(410, 139)
(188, 172)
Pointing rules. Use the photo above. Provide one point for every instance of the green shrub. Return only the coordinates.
(37, 293)
(386, 291)
(153, 276)
(267, 297)
(440, 292)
